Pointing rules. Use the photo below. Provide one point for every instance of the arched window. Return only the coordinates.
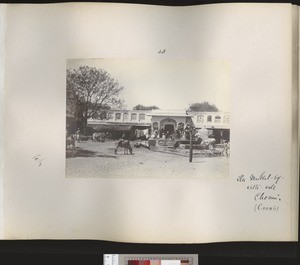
(142, 117)
(110, 116)
(118, 116)
(125, 117)
(209, 118)
(133, 116)
(200, 119)
(155, 126)
(217, 119)
(226, 119)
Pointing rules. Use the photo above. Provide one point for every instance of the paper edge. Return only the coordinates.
(2, 112)
(295, 125)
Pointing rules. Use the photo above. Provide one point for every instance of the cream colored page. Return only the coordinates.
(41, 203)
(2, 71)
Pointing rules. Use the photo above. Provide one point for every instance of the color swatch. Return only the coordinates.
(158, 262)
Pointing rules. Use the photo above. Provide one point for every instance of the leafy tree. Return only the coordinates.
(90, 91)
(103, 111)
(142, 107)
(203, 107)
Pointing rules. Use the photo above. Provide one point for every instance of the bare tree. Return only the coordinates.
(89, 91)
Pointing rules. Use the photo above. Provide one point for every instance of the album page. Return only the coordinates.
(153, 124)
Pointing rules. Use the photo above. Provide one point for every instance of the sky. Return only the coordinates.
(168, 84)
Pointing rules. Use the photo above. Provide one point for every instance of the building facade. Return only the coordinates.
(166, 120)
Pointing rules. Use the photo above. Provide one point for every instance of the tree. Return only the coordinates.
(104, 110)
(203, 107)
(90, 91)
(142, 107)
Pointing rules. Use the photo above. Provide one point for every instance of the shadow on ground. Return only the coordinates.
(78, 152)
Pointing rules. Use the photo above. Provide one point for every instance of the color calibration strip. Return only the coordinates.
(154, 261)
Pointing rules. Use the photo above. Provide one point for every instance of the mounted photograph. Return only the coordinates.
(147, 118)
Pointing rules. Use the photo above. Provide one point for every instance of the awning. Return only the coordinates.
(117, 127)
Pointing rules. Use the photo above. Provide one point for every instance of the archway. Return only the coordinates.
(168, 125)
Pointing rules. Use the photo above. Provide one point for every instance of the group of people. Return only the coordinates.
(182, 134)
(226, 147)
(71, 139)
(182, 131)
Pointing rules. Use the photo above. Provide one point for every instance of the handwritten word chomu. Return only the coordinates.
(267, 208)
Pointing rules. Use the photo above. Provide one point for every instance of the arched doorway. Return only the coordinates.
(168, 125)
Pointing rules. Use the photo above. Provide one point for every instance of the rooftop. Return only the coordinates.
(174, 113)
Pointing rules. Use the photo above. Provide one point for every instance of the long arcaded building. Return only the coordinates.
(127, 121)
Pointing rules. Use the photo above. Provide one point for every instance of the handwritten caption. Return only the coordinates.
(38, 159)
(162, 51)
(265, 190)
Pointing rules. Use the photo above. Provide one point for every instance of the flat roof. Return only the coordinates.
(169, 113)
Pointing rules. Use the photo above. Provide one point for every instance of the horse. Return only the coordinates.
(126, 145)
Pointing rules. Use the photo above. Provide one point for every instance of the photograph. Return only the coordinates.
(130, 118)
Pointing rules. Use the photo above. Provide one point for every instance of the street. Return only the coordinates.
(98, 160)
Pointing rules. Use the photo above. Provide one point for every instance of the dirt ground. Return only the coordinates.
(98, 160)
